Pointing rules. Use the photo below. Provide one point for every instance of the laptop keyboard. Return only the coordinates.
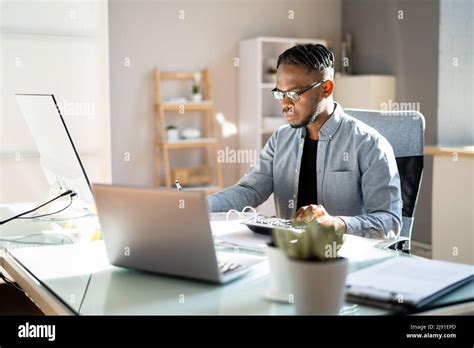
(225, 266)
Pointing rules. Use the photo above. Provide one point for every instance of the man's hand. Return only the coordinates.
(313, 211)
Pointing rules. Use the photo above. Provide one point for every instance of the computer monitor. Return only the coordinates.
(58, 156)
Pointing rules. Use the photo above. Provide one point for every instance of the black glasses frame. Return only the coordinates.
(294, 95)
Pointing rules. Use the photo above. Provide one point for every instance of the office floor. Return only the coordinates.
(15, 302)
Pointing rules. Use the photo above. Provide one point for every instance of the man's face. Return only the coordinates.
(292, 77)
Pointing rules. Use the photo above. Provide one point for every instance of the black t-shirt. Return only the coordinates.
(307, 190)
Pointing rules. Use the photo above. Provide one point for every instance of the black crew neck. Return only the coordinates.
(307, 187)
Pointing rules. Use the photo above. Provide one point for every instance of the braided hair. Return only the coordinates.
(314, 58)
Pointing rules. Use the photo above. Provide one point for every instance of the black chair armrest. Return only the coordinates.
(401, 244)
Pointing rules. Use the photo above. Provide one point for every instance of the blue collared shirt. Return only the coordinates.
(357, 177)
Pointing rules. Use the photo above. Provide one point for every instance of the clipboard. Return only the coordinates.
(406, 284)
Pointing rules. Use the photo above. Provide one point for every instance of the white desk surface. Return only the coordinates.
(78, 279)
(82, 277)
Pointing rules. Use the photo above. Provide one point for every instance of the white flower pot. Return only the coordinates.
(279, 290)
(172, 135)
(318, 287)
(197, 97)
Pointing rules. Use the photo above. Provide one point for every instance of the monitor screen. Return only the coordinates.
(58, 156)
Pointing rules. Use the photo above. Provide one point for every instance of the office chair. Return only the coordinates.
(404, 130)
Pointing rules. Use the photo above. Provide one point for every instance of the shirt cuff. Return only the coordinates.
(209, 203)
(343, 225)
(360, 228)
(349, 227)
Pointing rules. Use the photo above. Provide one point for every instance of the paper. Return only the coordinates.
(362, 252)
(355, 247)
(220, 228)
(235, 233)
(408, 278)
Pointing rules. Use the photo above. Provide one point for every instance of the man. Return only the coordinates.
(325, 164)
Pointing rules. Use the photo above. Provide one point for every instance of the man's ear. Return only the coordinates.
(328, 88)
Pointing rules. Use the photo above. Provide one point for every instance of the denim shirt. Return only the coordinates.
(357, 177)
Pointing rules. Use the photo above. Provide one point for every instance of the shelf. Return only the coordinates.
(192, 106)
(189, 143)
(182, 75)
(207, 188)
(209, 173)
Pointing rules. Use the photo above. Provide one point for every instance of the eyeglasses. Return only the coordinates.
(294, 95)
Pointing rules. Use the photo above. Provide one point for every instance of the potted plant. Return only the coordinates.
(197, 96)
(316, 274)
(172, 133)
(279, 290)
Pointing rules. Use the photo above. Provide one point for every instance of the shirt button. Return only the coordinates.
(296, 171)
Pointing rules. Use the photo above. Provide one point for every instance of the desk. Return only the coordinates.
(76, 278)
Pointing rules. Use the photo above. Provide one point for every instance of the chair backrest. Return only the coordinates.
(404, 130)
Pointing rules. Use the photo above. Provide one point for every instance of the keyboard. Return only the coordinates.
(265, 225)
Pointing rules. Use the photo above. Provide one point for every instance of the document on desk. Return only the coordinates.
(407, 281)
(235, 233)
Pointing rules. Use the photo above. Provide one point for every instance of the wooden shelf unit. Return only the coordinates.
(209, 142)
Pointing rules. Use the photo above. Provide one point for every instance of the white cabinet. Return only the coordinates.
(373, 92)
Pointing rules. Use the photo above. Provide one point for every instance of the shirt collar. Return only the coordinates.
(330, 127)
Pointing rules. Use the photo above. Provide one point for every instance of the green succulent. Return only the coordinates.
(309, 241)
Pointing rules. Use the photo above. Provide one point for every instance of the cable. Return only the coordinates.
(58, 211)
(68, 192)
(11, 283)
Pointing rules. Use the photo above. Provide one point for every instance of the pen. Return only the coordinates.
(178, 185)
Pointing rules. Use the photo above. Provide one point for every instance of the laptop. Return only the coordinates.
(164, 231)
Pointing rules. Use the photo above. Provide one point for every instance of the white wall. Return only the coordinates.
(150, 34)
(453, 185)
(456, 74)
(407, 47)
(58, 47)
